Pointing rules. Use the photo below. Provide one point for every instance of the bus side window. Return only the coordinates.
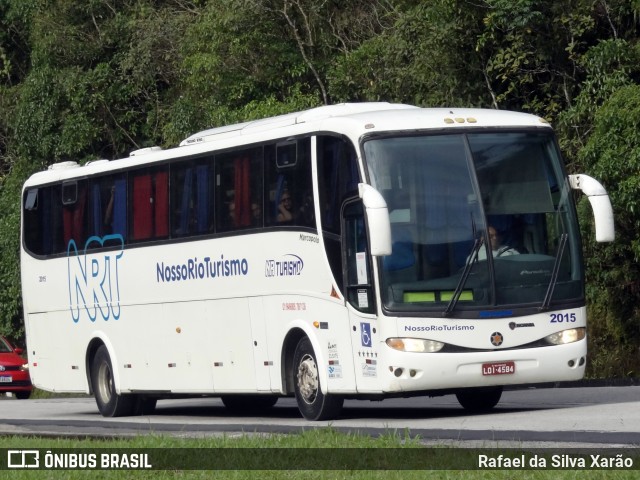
(33, 224)
(43, 219)
(142, 206)
(36, 233)
(337, 177)
(239, 186)
(242, 191)
(150, 205)
(256, 188)
(107, 209)
(289, 183)
(225, 194)
(357, 260)
(74, 200)
(191, 193)
(337, 180)
(118, 212)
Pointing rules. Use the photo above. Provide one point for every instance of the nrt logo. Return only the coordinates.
(93, 282)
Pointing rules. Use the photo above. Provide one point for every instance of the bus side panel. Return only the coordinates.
(263, 363)
(189, 347)
(55, 362)
(55, 354)
(230, 345)
(330, 338)
(367, 342)
(41, 368)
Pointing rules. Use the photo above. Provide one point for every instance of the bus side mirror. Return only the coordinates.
(600, 203)
(377, 219)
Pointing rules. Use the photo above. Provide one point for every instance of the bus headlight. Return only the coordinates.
(567, 336)
(418, 345)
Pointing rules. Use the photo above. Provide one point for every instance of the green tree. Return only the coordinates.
(608, 66)
(427, 57)
(612, 154)
(11, 324)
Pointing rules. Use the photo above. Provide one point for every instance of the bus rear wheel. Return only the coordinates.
(312, 403)
(479, 399)
(110, 404)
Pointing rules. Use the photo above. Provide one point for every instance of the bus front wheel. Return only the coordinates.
(110, 404)
(312, 403)
(479, 399)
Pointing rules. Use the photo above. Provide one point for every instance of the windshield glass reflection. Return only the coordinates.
(493, 204)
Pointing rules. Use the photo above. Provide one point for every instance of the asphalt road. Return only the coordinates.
(541, 417)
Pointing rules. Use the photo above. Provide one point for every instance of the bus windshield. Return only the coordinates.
(481, 223)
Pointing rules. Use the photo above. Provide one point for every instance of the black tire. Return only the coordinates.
(479, 399)
(22, 395)
(248, 404)
(110, 404)
(312, 403)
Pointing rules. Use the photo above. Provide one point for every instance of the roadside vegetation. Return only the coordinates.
(92, 79)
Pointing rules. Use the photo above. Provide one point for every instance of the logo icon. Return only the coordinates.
(23, 459)
(94, 281)
(365, 329)
(514, 325)
(288, 266)
(496, 339)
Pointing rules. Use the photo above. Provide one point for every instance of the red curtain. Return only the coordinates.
(142, 207)
(162, 204)
(73, 219)
(242, 192)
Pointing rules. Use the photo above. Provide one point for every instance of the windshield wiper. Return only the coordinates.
(554, 273)
(471, 259)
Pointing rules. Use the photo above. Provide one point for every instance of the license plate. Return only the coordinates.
(6, 379)
(502, 368)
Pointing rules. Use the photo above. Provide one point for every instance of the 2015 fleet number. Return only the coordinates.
(562, 317)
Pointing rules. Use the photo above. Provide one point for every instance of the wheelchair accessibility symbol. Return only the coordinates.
(365, 335)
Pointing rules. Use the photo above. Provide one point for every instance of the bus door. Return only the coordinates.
(360, 293)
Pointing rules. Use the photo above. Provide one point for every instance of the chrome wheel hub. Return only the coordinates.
(308, 379)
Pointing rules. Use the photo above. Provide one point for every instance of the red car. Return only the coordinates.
(14, 371)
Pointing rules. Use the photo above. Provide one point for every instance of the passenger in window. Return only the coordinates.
(256, 214)
(285, 208)
(231, 216)
(306, 213)
(108, 213)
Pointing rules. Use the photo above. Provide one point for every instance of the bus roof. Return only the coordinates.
(376, 115)
(350, 119)
(305, 116)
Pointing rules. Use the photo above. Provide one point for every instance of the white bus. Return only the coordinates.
(347, 251)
